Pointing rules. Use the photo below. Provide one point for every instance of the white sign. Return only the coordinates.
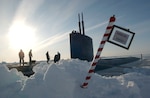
(121, 37)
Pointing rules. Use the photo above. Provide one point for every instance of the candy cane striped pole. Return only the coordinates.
(97, 57)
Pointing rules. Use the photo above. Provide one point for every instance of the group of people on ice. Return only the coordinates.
(21, 57)
(56, 57)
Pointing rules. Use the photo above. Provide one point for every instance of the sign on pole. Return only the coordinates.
(121, 37)
(114, 34)
(99, 50)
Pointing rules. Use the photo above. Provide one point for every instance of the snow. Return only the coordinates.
(63, 80)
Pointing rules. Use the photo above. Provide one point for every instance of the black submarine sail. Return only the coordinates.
(81, 46)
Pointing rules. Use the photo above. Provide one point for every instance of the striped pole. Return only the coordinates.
(97, 57)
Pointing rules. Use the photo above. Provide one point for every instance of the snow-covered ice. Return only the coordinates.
(63, 80)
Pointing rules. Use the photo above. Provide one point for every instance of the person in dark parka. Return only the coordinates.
(48, 57)
(57, 57)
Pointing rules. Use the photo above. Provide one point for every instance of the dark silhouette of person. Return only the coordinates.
(48, 57)
(21, 57)
(30, 56)
(57, 57)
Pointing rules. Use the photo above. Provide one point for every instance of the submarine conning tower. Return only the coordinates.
(81, 46)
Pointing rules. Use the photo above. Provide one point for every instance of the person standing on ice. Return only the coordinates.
(48, 57)
(57, 57)
(30, 56)
(21, 57)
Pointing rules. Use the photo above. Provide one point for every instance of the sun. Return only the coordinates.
(21, 36)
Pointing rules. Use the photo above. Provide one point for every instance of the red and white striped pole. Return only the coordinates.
(97, 57)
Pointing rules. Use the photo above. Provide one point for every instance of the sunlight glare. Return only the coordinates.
(21, 36)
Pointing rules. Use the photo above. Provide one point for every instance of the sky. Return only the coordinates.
(44, 25)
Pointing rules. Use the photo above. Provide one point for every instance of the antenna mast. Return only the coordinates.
(83, 25)
(79, 24)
